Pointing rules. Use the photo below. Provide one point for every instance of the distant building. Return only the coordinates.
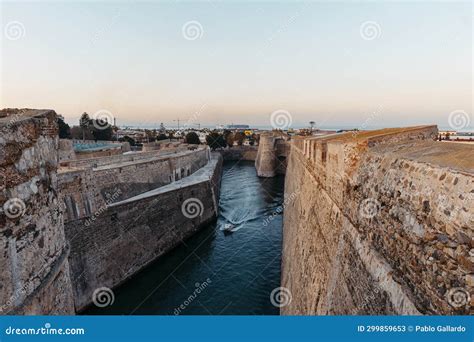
(237, 126)
(445, 133)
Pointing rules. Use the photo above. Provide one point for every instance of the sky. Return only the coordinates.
(343, 64)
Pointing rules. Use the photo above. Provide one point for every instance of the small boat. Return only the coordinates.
(228, 227)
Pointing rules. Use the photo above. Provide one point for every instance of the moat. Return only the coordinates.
(235, 273)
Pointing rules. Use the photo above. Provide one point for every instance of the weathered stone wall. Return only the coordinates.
(66, 150)
(381, 223)
(145, 226)
(78, 193)
(236, 153)
(117, 159)
(34, 277)
(83, 190)
(130, 179)
(272, 154)
(116, 151)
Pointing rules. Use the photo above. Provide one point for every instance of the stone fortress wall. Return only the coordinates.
(34, 277)
(87, 185)
(273, 150)
(78, 207)
(381, 222)
(237, 153)
(145, 226)
(377, 222)
(132, 203)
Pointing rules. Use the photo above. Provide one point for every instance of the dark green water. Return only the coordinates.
(212, 273)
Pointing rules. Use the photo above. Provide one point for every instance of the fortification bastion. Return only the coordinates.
(59, 234)
(382, 223)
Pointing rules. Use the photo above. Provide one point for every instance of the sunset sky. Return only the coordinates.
(334, 63)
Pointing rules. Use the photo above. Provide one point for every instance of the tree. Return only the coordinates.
(162, 129)
(192, 138)
(239, 137)
(161, 136)
(84, 122)
(229, 138)
(215, 140)
(64, 129)
(150, 135)
(311, 124)
(103, 133)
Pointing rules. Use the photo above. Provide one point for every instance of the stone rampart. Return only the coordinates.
(272, 154)
(380, 222)
(84, 189)
(236, 153)
(34, 277)
(145, 226)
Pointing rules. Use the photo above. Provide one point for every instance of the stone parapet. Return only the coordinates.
(145, 226)
(382, 224)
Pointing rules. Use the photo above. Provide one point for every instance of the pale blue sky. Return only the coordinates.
(253, 58)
